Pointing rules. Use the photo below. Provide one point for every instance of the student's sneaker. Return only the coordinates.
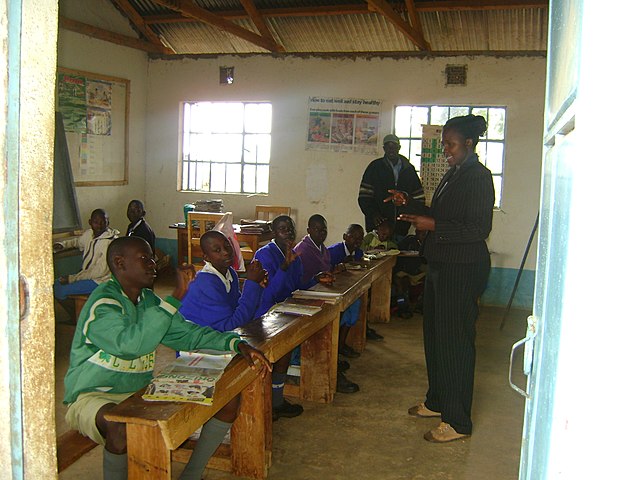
(344, 385)
(373, 335)
(348, 352)
(343, 366)
(287, 410)
(421, 410)
(443, 433)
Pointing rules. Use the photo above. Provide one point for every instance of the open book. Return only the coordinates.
(296, 308)
(328, 297)
(190, 378)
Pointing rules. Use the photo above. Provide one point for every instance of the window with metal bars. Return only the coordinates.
(225, 147)
(408, 123)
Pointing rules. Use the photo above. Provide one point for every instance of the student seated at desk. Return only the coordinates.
(409, 274)
(379, 238)
(214, 299)
(285, 275)
(113, 352)
(316, 260)
(138, 226)
(93, 244)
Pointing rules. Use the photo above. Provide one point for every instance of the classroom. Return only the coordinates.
(512, 76)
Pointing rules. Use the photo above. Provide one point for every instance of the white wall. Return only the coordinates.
(327, 183)
(80, 52)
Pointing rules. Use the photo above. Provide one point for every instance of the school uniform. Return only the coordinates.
(338, 253)
(214, 300)
(315, 258)
(142, 229)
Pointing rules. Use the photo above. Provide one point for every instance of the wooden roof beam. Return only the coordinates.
(139, 24)
(108, 36)
(383, 8)
(189, 9)
(414, 19)
(258, 21)
(355, 9)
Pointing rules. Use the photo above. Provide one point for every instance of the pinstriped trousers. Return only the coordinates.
(449, 329)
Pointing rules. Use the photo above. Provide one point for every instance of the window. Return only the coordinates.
(226, 147)
(408, 127)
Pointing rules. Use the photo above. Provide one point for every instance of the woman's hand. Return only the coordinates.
(397, 197)
(420, 222)
(255, 358)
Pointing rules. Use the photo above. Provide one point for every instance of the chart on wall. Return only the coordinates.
(343, 125)
(95, 112)
(433, 165)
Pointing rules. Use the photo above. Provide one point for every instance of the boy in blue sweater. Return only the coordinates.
(113, 354)
(214, 299)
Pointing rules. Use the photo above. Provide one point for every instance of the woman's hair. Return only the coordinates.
(469, 126)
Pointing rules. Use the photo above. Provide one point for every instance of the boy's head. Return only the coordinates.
(135, 211)
(384, 231)
(217, 250)
(130, 259)
(317, 228)
(99, 221)
(284, 229)
(353, 236)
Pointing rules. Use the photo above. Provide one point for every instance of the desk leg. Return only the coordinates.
(357, 337)
(319, 364)
(380, 309)
(251, 431)
(149, 458)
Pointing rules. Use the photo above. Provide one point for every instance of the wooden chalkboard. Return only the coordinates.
(95, 110)
(66, 217)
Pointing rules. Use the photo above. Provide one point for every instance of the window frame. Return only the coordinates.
(185, 165)
(483, 140)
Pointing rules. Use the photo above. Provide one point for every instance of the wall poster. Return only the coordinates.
(433, 165)
(343, 125)
(95, 111)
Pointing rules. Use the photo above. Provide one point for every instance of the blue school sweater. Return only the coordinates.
(338, 252)
(208, 303)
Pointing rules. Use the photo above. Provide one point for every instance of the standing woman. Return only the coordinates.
(457, 223)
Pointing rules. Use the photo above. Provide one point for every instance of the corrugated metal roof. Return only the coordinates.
(299, 30)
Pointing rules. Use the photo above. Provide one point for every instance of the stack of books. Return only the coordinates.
(326, 297)
(299, 306)
(190, 378)
(214, 205)
(254, 226)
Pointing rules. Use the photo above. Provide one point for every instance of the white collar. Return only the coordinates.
(135, 226)
(226, 279)
(346, 250)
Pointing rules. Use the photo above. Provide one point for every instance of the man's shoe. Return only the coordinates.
(343, 366)
(422, 411)
(344, 385)
(373, 335)
(348, 352)
(443, 433)
(287, 410)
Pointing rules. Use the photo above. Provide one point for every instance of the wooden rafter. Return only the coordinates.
(108, 36)
(413, 16)
(189, 9)
(134, 17)
(360, 9)
(258, 21)
(385, 9)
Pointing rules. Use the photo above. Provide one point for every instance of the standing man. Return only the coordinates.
(391, 172)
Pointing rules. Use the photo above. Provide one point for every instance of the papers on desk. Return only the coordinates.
(295, 308)
(327, 297)
(190, 378)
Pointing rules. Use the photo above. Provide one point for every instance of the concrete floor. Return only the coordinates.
(368, 435)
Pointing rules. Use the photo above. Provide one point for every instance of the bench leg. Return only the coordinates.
(380, 309)
(357, 337)
(149, 458)
(251, 431)
(319, 363)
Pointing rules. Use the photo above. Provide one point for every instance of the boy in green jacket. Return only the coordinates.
(113, 353)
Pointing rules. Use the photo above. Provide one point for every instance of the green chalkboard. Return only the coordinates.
(66, 216)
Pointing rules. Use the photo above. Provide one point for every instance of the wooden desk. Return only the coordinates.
(155, 429)
(253, 240)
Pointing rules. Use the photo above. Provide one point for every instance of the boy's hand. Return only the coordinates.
(255, 358)
(265, 280)
(57, 247)
(184, 274)
(326, 278)
(255, 272)
(341, 267)
(289, 255)
(64, 280)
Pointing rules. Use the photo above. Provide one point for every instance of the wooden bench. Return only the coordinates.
(71, 446)
(156, 429)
